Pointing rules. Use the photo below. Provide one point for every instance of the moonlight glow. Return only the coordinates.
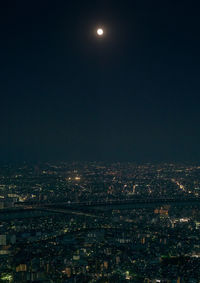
(100, 31)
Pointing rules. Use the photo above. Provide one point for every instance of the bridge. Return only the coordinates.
(109, 203)
(88, 209)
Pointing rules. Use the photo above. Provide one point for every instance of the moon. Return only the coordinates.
(100, 31)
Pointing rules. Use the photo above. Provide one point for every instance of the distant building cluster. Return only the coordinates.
(119, 241)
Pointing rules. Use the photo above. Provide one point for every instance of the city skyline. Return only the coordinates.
(99, 222)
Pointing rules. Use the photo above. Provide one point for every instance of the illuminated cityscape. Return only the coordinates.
(99, 141)
(100, 222)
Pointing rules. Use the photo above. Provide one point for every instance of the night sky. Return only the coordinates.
(132, 95)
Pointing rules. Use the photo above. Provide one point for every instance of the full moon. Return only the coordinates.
(100, 31)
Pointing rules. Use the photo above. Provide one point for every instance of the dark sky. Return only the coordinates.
(66, 94)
